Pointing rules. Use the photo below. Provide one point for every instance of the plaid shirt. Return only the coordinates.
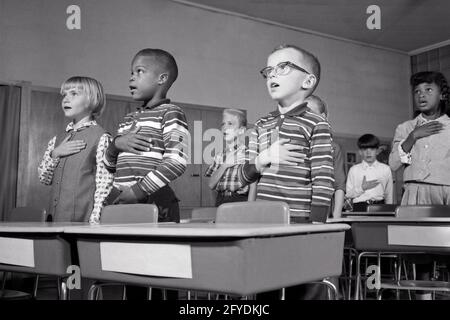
(230, 179)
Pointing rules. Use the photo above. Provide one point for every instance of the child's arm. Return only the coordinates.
(175, 157)
(388, 192)
(252, 192)
(405, 139)
(353, 189)
(216, 171)
(322, 168)
(339, 184)
(103, 179)
(48, 164)
(338, 203)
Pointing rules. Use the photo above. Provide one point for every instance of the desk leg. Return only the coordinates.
(64, 293)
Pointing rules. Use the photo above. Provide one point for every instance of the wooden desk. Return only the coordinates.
(240, 259)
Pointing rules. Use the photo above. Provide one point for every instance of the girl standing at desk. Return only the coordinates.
(422, 147)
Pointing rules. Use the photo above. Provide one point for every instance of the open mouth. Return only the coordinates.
(132, 89)
(274, 85)
(67, 108)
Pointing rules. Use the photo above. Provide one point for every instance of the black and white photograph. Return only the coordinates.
(197, 155)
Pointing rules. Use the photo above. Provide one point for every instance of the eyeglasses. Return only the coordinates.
(281, 69)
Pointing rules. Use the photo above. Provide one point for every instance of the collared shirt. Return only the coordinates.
(307, 184)
(103, 178)
(165, 125)
(230, 179)
(375, 171)
(429, 159)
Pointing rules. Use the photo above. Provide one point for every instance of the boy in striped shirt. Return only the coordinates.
(291, 146)
(149, 149)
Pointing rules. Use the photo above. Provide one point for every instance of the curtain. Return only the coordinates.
(9, 156)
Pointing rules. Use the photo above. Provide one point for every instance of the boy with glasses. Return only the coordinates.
(291, 147)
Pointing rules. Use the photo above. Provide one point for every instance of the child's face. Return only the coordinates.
(144, 80)
(427, 97)
(230, 127)
(369, 155)
(75, 104)
(286, 89)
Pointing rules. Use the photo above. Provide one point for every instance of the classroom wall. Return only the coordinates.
(219, 57)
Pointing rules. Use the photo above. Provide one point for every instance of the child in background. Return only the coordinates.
(422, 147)
(72, 163)
(369, 182)
(318, 106)
(224, 170)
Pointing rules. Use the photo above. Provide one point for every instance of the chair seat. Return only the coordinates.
(14, 295)
(417, 285)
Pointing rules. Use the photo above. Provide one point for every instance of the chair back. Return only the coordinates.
(253, 212)
(422, 211)
(203, 214)
(130, 213)
(27, 214)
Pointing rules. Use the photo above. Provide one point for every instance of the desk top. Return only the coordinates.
(37, 227)
(230, 230)
(443, 220)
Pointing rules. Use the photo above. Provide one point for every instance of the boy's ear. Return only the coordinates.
(309, 82)
(163, 77)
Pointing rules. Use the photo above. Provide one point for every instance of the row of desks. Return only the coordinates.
(240, 259)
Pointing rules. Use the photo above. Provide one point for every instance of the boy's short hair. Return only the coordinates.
(164, 59)
(310, 59)
(92, 88)
(242, 117)
(323, 108)
(433, 77)
(367, 141)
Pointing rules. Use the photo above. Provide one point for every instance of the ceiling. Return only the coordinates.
(406, 25)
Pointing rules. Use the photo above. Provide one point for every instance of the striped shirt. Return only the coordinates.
(230, 179)
(303, 186)
(165, 124)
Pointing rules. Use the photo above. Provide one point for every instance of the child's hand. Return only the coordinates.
(126, 196)
(67, 148)
(133, 142)
(369, 184)
(427, 129)
(282, 152)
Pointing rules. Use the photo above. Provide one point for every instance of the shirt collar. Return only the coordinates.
(421, 120)
(153, 105)
(297, 111)
(366, 165)
(83, 125)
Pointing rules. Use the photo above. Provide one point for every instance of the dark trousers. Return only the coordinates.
(362, 206)
(223, 197)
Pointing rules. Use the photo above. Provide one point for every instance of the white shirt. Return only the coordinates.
(376, 171)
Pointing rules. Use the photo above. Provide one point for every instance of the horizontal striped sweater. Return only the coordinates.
(305, 186)
(165, 124)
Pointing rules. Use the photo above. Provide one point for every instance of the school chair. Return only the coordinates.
(23, 214)
(433, 285)
(267, 212)
(203, 214)
(120, 214)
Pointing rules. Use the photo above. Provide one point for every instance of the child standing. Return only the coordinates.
(318, 106)
(224, 170)
(421, 146)
(369, 182)
(291, 146)
(150, 148)
(72, 163)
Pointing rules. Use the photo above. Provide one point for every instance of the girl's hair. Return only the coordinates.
(242, 118)
(323, 108)
(437, 78)
(93, 90)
